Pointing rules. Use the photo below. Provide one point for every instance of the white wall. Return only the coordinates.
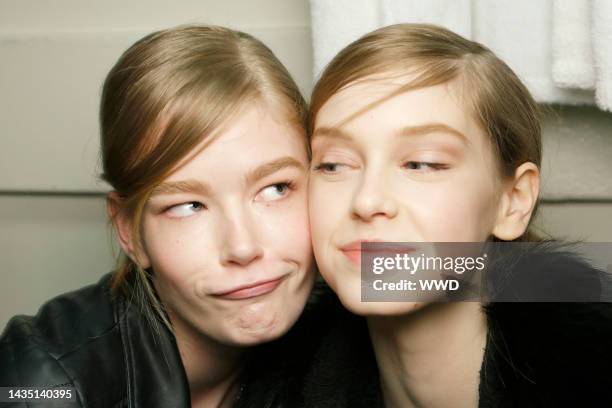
(53, 231)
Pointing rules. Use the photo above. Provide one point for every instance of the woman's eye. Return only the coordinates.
(274, 192)
(185, 210)
(424, 166)
(328, 167)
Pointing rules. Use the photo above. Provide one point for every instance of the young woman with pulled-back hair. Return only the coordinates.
(419, 135)
(203, 143)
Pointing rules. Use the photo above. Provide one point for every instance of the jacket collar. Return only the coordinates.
(154, 370)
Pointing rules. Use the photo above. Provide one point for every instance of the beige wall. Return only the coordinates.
(55, 56)
(53, 231)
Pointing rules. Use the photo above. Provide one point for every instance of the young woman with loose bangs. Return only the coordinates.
(419, 135)
(203, 143)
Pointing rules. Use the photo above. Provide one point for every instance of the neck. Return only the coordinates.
(430, 357)
(212, 368)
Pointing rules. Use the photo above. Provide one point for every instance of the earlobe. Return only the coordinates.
(123, 229)
(518, 201)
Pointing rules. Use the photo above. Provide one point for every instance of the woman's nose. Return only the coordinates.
(241, 244)
(374, 198)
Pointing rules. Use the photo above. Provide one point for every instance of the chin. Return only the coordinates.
(374, 309)
(270, 318)
(356, 306)
(261, 333)
(350, 297)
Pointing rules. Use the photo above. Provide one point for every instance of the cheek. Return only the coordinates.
(175, 248)
(287, 229)
(458, 212)
(328, 205)
(318, 221)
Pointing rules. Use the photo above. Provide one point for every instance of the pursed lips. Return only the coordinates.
(250, 290)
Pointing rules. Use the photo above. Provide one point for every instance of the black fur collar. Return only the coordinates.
(537, 354)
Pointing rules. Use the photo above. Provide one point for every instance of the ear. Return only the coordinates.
(517, 202)
(123, 228)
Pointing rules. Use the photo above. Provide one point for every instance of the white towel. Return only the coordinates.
(455, 15)
(582, 47)
(573, 64)
(519, 32)
(602, 51)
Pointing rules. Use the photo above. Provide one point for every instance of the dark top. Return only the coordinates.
(106, 349)
(543, 354)
(103, 348)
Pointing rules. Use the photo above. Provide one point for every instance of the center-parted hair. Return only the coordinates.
(166, 98)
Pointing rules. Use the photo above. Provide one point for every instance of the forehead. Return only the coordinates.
(362, 105)
(254, 136)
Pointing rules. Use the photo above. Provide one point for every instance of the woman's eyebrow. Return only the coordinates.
(266, 169)
(196, 186)
(183, 186)
(420, 130)
(428, 128)
(331, 132)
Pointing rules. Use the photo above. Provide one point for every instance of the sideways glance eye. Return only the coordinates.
(185, 210)
(327, 167)
(274, 192)
(424, 166)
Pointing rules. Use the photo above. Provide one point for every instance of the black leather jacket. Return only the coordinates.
(103, 348)
(108, 351)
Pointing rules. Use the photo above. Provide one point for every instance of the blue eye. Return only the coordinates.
(185, 210)
(274, 192)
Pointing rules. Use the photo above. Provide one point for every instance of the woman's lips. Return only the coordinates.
(354, 255)
(251, 290)
(353, 250)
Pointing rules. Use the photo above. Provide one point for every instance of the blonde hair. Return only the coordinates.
(165, 99)
(433, 55)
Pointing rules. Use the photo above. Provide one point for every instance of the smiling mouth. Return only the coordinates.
(252, 290)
